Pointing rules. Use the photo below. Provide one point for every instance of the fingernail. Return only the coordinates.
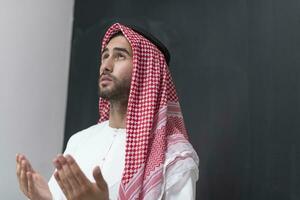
(68, 158)
(56, 164)
(62, 160)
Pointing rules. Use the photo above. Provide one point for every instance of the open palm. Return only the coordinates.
(40, 189)
(32, 184)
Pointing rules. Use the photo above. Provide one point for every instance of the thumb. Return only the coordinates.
(99, 178)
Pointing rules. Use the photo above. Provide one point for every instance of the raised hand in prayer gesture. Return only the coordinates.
(74, 184)
(32, 184)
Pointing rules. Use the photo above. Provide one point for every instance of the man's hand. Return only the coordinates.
(31, 183)
(75, 184)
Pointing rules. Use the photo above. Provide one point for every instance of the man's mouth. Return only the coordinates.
(105, 79)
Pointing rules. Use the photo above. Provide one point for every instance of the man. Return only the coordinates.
(140, 142)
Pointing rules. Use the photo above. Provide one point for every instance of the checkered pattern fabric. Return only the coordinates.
(153, 114)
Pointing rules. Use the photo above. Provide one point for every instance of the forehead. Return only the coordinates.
(119, 41)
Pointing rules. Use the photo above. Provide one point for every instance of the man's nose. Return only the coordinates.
(107, 66)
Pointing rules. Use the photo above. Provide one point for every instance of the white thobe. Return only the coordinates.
(104, 146)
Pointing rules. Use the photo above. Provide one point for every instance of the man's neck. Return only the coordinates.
(117, 114)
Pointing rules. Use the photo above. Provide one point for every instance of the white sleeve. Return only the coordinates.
(183, 187)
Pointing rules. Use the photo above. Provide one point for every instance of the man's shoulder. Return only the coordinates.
(94, 129)
(77, 138)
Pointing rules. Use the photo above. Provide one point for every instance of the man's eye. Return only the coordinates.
(120, 55)
(104, 56)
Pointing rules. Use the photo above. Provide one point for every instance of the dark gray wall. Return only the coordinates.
(236, 68)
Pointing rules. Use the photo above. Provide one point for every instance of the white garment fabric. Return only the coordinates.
(104, 146)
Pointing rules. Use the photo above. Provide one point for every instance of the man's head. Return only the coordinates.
(116, 69)
(142, 79)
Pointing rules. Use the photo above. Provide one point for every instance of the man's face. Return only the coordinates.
(116, 69)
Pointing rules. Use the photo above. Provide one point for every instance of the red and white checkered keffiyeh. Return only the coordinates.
(156, 136)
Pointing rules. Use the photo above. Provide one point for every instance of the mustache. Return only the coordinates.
(113, 78)
(107, 74)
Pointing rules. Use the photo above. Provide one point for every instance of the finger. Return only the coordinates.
(61, 185)
(20, 173)
(56, 163)
(64, 182)
(69, 174)
(77, 172)
(18, 170)
(20, 158)
(30, 183)
(23, 177)
(29, 167)
(17, 165)
(17, 156)
(62, 175)
(99, 178)
(20, 166)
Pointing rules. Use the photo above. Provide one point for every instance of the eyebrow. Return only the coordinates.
(116, 49)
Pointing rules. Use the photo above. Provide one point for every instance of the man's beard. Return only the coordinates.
(119, 91)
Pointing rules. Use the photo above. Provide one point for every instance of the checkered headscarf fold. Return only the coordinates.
(154, 122)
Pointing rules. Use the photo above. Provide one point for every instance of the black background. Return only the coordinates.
(236, 68)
